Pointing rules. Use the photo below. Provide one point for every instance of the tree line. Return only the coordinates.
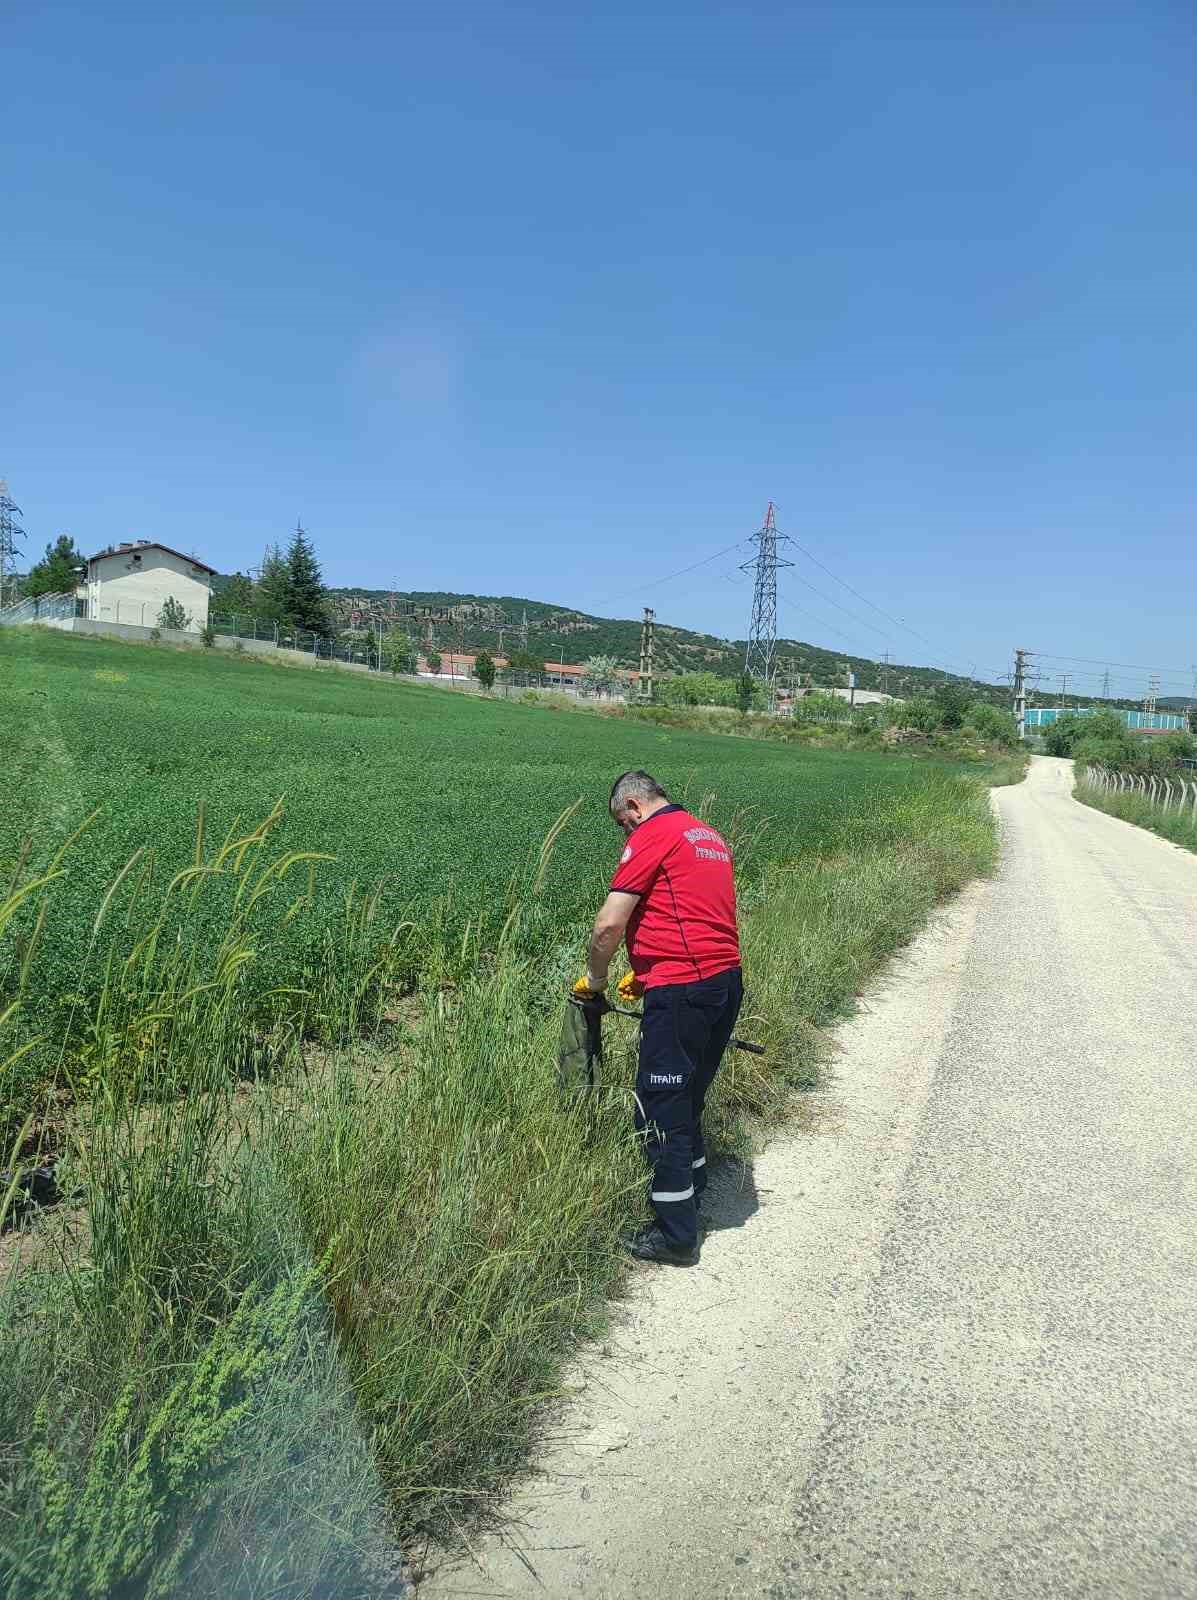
(288, 591)
(1105, 740)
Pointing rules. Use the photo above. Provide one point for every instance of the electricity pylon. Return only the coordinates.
(760, 658)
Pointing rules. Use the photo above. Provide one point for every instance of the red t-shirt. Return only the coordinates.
(684, 925)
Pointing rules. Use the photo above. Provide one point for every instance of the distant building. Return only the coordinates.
(556, 675)
(132, 582)
(785, 697)
(1040, 717)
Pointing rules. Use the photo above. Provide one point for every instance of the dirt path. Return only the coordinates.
(945, 1346)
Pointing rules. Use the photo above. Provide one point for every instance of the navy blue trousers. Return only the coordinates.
(683, 1035)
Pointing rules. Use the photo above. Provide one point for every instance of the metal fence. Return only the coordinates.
(1156, 721)
(368, 650)
(235, 625)
(43, 608)
(1170, 794)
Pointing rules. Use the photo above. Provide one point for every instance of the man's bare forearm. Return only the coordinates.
(606, 937)
(604, 942)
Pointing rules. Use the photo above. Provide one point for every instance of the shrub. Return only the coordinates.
(484, 669)
(951, 702)
(1176, 746)
(991, 723)
(399, 655)
(174, 615)
(920, 714)
(600, 674)
(208, 636)
(525, 661)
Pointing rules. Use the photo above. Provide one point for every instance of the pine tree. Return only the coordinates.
(306, 603)
(237, 598)
(270, 592)
(55, 573)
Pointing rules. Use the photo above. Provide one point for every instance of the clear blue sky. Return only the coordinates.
(551, 300)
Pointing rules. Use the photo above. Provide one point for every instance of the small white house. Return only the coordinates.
(132, 582)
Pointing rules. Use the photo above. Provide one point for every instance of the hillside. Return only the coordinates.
(562, 634)
(455, 620)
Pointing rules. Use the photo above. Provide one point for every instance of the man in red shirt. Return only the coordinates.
(674, 898)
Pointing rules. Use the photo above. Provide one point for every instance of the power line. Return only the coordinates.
(830, 626)
(1130, 666)
(871, 625)
(652, 583)
(1178, 685)
(864, 599)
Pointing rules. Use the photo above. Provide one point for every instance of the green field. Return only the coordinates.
(331, 1230)
(439, 802)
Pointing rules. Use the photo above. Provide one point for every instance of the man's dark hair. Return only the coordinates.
(635, 786)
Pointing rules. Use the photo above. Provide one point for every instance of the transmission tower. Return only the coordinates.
(1021, 658)
(10, 532)
(760, 658)
(1153, 689)
(644, 682)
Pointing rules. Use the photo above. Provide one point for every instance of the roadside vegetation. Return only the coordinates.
(326, 1230)
(1144, 780)
(1104, 740)
(1177, 823)
(947, 725)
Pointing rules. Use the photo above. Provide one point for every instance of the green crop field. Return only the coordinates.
(328, 1228)
(439, 800)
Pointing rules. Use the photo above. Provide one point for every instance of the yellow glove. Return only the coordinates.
(585, 990)
(629, 988)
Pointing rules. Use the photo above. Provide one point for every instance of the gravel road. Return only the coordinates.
(943, 1341)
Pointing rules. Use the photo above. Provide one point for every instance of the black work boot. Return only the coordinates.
(650, 1244)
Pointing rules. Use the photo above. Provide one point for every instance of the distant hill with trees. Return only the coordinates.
(452, 620)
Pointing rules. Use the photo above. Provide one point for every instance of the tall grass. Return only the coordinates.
(311, 1301)
(1177, 824)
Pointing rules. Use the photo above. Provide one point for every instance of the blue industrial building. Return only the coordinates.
(1136, 721)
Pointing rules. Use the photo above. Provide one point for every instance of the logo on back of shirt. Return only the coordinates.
(705, 852)
(695, 834)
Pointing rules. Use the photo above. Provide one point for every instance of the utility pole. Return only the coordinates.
(1020, 691)
(760, 658)
(524, 632)
(885, 674)
(10, 532)
(1064, 677)
(644, 684)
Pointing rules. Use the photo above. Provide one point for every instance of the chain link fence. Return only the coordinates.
(356, 647)
(43, 608)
